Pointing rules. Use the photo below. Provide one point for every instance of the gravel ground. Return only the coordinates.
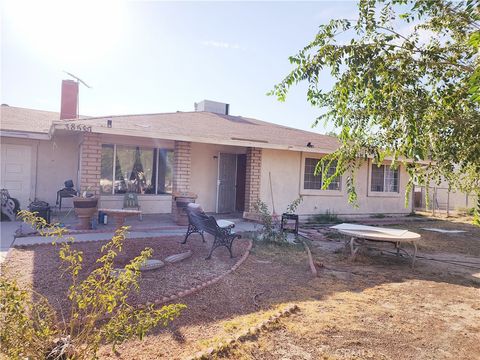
(39, 266)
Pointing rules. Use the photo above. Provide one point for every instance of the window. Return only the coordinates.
(384, 179)
(315, 182)
(135, 169)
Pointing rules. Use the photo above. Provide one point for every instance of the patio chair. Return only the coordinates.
(130, 201)
(67, 192)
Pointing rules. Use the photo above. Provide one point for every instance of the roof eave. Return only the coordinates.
(200, 139)
(25, 134)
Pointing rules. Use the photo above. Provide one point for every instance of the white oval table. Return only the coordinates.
(359, 233)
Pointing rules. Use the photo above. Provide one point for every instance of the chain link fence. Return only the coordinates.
(443, 201)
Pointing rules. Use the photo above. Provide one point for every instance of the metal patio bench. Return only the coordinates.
(221, 230)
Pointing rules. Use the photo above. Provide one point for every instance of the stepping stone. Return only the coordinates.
(151, 264)
(116, 272)
(178, 257)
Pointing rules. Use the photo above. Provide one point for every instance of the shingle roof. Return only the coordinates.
(26, 120)
(194, 126)
(212, 128)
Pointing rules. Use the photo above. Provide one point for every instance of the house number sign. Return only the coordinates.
(78, 127)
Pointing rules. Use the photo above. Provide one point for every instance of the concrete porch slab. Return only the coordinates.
(149, 228)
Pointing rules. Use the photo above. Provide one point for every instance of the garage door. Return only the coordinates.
(16, 172)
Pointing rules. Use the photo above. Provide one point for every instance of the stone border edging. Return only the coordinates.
(194, 289)
(203, 285)
(254, 330)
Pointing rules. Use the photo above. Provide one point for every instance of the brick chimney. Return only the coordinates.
(69, 106)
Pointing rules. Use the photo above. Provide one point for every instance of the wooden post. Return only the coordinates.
(448, 203)
(413, 200)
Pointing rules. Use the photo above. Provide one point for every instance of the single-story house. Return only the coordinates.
(228, 161)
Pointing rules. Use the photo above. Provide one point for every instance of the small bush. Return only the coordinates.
(378, 216)
(99, 313)
(476, 218)
(271, 226)
(327, 218)
(292, 207)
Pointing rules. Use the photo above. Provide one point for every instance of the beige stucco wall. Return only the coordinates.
(52, 162)
(149, 204)
(285, 170)
(57, 162)
(204, 169)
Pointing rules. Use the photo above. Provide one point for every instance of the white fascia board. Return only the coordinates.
(25, 135)
(198, 139)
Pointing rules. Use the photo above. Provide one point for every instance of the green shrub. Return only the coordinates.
(327, 218)
(476, 218)
(292, 207)
(271, 226)
(99, 309)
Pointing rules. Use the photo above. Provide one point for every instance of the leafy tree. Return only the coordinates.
(100, 312)
(406, 86)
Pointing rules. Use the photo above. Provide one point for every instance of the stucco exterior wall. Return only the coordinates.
(204, 174)
(57, 162)
(285, 169)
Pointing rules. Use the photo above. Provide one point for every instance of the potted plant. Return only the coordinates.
(85, 206)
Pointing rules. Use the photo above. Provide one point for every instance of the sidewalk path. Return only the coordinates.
(240, 226)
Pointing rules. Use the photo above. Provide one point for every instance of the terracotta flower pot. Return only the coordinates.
(85, 208)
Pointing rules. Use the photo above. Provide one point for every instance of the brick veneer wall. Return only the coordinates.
(182, 166)
(252, 181)
(181, 169)
(90, 163)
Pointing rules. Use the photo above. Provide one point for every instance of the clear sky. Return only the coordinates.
(148, 57)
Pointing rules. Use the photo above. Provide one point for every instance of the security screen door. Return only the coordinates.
(226, 184)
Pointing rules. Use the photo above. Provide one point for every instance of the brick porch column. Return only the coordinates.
(181, 168)
(252, 181)
(90, 163)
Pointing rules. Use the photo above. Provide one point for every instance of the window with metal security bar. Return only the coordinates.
(384, 179)
(315, 182)
(135, 169)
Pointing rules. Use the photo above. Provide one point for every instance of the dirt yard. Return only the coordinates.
(374, 308)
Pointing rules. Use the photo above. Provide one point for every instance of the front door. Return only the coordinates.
(226, 184)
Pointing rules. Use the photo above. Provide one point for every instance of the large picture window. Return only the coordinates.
(135, 169)
(315, 182)
(384, 179)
